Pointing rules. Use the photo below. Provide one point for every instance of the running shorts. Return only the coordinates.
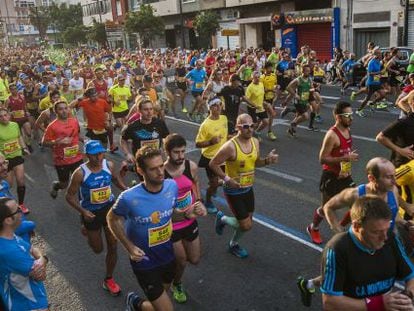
(189, 233)
(330, 185)
(13, 162)
(241, 204)
(65, 171)
(99, 221)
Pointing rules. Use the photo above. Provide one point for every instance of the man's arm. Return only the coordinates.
(115, 177)
(291, 88)
(335, 303)
(406, 152)
(343, 199)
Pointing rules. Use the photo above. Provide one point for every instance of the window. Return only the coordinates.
(118, 8)
(188, 1)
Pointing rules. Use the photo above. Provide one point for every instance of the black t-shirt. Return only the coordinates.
(350, 269)
(401, 133)
(145, 134)
(232, 97)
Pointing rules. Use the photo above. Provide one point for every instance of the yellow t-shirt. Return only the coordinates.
(255, 93)
(269, 83)
(121, 96)
(4, 87)
(46, 103)
(210, 128)
(404, 177)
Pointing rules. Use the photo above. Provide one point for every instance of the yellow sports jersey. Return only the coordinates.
(209, 129)
(269, 82)
(404, 176)
(255, 93)
(121, 95)
(46, 102)
(242, 169)
(4, 89)
(318, 72)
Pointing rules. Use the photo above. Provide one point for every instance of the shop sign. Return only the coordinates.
(309, 16)
(230, 32)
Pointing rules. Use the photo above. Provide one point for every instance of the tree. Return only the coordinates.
(75, 35)
(97, 33)
(39, 17)
(145, 23)
(63, 16)
(207, 24)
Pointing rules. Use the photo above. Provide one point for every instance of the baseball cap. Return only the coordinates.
(94, 147)
(235, 77)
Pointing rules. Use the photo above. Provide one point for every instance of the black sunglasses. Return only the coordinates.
(247, 126)
(18, 211)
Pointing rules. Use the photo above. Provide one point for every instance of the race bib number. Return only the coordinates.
(246, 179)
(304, 96)
(11, 147)
(153, 143)
(171, 79)
(100, 195)
(70, 152)
(377, 78)
(346, 167)
(184, 202)
(160, 234)
(199, 85)
(18, 114)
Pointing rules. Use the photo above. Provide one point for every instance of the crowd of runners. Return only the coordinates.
(75, 107)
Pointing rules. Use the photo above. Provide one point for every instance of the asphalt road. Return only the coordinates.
(279, 250)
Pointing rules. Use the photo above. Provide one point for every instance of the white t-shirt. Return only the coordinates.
(76, 85)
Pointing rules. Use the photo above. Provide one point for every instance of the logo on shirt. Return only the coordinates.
(144, 134)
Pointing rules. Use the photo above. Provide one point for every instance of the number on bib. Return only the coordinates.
(160, 234)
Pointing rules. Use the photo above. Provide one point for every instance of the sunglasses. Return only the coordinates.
(247, 126)
(18, 211)
(346, 114)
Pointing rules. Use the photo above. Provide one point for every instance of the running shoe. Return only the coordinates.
(305, 293)
(132, 300)
(211, 209)
(54, 189)
(291, 132)
(314, 234)
(271, 136)
(219, 225)
(24, 209)
(178, 293)
(184, 110)
(353, 95)
(238, 251)
(30, 148)
(318, 119)
(382, 106)
(189, 116)
(312, 129)
(111, 286)
(342, 92)
(113, 149)
(360, 113)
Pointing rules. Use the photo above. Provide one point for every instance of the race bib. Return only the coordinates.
(171, 79)
(11, 147)
(160, 234)
(98, 132)
(184, 202)
(100, 195)
(304, 96)
(153, 143)
(246, 179)
(345, 168)
(70, 152)
(199, 85)
(18, 114)
(377, 78)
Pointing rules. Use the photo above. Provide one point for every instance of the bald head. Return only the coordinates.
(375, 166)
(244, 118)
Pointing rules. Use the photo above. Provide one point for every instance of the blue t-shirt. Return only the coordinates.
(18, 290)
(282, 66)
(148, 222)
(198, 77)
(374, 65)
(348, 65)
(5, 190)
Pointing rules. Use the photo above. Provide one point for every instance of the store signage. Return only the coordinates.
(230, 32)
(309, 16)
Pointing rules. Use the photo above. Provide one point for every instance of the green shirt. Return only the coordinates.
(121, 95)
(304, 87)
(410, 68)
(9, 140)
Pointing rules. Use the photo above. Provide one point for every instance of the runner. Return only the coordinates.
(90, 194)
(241, 156)
(63, 136)
(120, 94)
(141, 221)
(269, 81)
(336, 156)
(180, 73)
(198, 77)
(211, 135)
(186, 241)
(12, 146)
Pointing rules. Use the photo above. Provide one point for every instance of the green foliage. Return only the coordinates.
(40, 18)
(97, 33)
(145, 23)
(75, 35)
(63, 16)
(207, 24)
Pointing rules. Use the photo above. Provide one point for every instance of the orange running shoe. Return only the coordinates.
(314, 235)
(24, 209)
(111, 286)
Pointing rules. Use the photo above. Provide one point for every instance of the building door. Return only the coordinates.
(380, 36)
(318, 37)
(170, 38)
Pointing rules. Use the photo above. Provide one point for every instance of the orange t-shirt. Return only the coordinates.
(152, 94)
(95, 112)
(64, 154)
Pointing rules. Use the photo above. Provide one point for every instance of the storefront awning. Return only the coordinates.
(254, 20)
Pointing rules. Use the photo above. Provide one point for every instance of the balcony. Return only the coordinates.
(233, 3)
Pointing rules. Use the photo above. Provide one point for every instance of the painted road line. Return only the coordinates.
(29, 178)
(330, 97)
(280, 174)
(182, 120)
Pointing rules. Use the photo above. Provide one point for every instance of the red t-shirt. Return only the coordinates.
(17, 108)
(64, 154)
(95, 112)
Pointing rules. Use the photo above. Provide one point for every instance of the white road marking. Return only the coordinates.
(281, 174)
(29, 178)
(330, 97)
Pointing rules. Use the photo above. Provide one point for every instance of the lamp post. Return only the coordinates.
(182, 23)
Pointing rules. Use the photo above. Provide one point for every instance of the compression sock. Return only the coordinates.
(21, 191)
(312, 118)
(238, 233)
(111, 137)
(231, 221)
(317, 219)
(346, 220)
